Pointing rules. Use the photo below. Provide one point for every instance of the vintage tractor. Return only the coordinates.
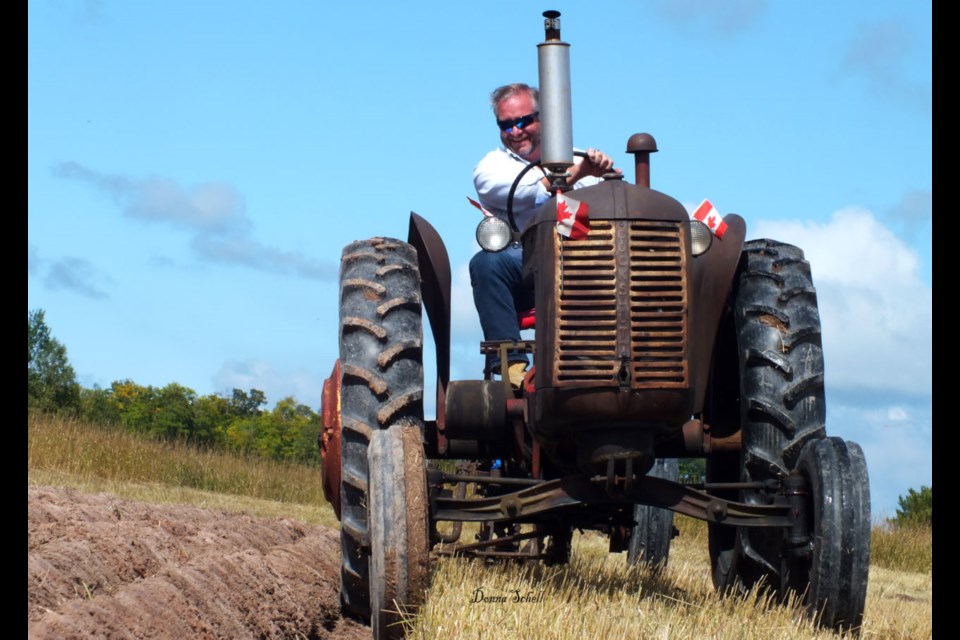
(656, 338)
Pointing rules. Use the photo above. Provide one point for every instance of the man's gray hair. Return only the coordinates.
(509, 90)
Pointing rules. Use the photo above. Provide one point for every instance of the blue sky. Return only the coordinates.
(195, 169)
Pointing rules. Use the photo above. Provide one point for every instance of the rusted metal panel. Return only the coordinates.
(711, 276)
(330, 438)
(434, 266)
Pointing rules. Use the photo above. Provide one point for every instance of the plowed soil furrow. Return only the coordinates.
(102, 567)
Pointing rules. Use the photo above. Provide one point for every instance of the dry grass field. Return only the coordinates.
(599, 596)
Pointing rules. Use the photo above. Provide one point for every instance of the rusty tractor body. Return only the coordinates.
(654, 340)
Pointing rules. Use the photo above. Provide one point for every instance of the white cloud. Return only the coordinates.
(246, 252)
(215, 212)
(897, 414)
(210, 207)
(876, 314)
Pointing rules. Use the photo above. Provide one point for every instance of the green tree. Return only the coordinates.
(212, 415)
(305, 448)
(288, 432)
(916, 507)
(168, 412)
(173, 412)
(246, 426)
(133, 404)
(295, 427)
(246, 404)
(97, 406)
(241, 434)
(51, 381)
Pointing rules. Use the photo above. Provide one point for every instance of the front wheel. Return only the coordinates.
(833, 572)
(399, 528)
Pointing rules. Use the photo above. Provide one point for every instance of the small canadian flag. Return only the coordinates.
(479, 206)
(708, 215)
(572, 220)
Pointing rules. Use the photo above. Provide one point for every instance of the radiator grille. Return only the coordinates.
(649, 275)
(658, 304)
(587, 309)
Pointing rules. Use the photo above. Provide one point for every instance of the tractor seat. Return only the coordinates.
(527, 319)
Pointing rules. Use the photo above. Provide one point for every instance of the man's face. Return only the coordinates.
(523, 142)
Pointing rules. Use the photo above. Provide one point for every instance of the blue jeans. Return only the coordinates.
(498, 294)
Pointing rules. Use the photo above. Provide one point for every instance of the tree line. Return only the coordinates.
(235, 422)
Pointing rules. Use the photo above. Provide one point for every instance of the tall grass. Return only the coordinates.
(98, 458)
(902, 547)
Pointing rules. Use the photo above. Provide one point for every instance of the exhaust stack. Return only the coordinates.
(555, 111)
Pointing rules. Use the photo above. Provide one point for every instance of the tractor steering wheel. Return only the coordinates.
(612, 175)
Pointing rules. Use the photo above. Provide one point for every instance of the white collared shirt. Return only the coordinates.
(494, 175)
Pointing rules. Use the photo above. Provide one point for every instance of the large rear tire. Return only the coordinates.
(651, 535)
(782, 400)
(399, 528)
(381, 368)
(781, 357)
(833, 574)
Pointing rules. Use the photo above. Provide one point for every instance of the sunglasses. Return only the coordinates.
(520, 123)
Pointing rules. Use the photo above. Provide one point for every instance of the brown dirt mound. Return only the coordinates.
(102, 567)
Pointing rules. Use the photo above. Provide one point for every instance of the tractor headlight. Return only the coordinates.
(493, 234)
(700, 237)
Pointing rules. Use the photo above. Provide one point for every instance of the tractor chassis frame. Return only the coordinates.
(588, 502)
